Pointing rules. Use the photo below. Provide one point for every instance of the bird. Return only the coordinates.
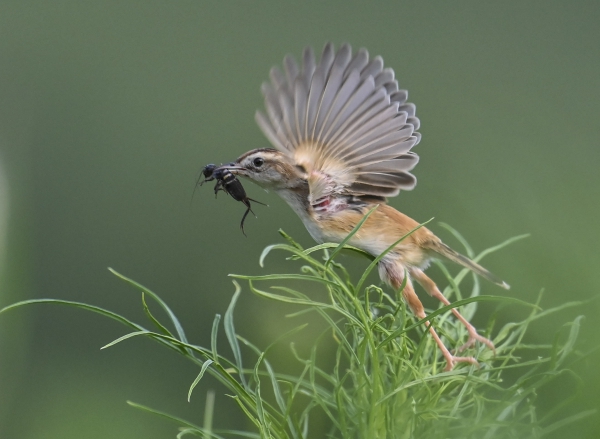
(342, 134)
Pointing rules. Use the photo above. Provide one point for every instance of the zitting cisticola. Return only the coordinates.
(343, 134)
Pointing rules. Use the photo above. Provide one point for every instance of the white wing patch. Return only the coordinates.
(344, 121)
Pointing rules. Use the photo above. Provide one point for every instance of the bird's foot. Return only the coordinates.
(474, 337)
(452, 360)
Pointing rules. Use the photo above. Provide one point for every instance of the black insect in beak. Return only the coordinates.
(229, 183)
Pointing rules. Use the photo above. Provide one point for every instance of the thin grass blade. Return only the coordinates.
(286, 277)
(456, 304)
(572, 338)
(95, 309)
(197, 380)
(375, 261)
(348, 237)
(164, 306)
(329, 245)
(159, 325)
(289, 239)
(213, 337)
(500, 246)
(230, 333)
(125, 337)
(170, 417)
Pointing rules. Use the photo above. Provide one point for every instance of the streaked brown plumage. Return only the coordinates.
(343, 134)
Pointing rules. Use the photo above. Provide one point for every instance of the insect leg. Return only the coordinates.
(252, 199)
(219, 187)
(249, 206)
(244, 219)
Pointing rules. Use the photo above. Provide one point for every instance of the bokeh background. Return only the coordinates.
(109, 109)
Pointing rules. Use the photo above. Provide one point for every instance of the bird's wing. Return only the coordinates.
(344, 122)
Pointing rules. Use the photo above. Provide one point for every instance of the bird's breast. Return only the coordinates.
(383, 228)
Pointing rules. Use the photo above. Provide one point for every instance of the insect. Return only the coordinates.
(229, 183)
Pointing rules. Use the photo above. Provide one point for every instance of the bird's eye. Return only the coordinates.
(258, 162)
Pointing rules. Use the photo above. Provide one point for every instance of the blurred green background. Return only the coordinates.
(109, 109)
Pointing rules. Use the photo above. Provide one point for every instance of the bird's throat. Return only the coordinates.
(297, 199)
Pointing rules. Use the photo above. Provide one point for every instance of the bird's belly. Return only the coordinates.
(372, 239)
(404, 253)
(373, 244)
(376, 242)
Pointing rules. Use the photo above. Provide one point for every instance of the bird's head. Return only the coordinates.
(269, 168)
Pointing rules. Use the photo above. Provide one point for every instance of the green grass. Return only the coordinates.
(387, 378)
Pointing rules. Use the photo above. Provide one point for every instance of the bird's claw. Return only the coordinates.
(474, 337)
(451, 361)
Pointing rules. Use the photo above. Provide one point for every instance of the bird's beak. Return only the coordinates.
(233, 168)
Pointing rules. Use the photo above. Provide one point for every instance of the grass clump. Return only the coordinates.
(387, 378)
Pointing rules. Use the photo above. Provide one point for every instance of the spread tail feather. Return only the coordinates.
(456, 257)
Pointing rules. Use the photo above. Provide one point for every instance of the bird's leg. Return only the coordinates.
(417, 308)
(393, 274)
(434, 291)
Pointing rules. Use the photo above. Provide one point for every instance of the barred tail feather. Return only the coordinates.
(456, 257)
